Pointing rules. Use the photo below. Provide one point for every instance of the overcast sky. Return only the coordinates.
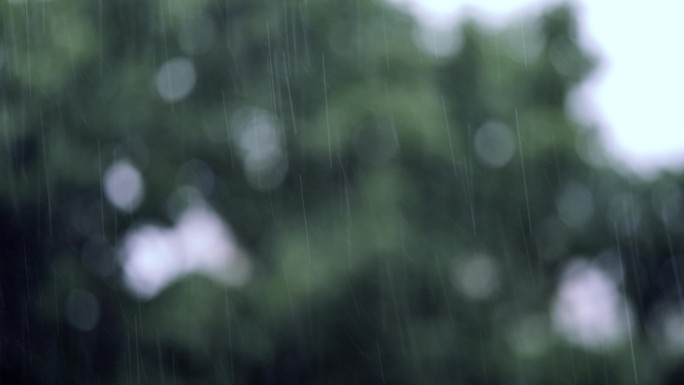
(636, 94)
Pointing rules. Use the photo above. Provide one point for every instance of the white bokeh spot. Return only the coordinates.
(123, 185)
(175, 79)
(201, 243)
(494, 144)
(589, 310)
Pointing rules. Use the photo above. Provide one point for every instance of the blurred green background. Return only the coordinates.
(296, 192)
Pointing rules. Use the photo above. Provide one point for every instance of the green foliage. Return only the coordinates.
(356, 251)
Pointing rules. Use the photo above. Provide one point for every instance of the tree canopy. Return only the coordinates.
(331, 203)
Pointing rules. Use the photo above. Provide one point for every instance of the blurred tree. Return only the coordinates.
(407, 217)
